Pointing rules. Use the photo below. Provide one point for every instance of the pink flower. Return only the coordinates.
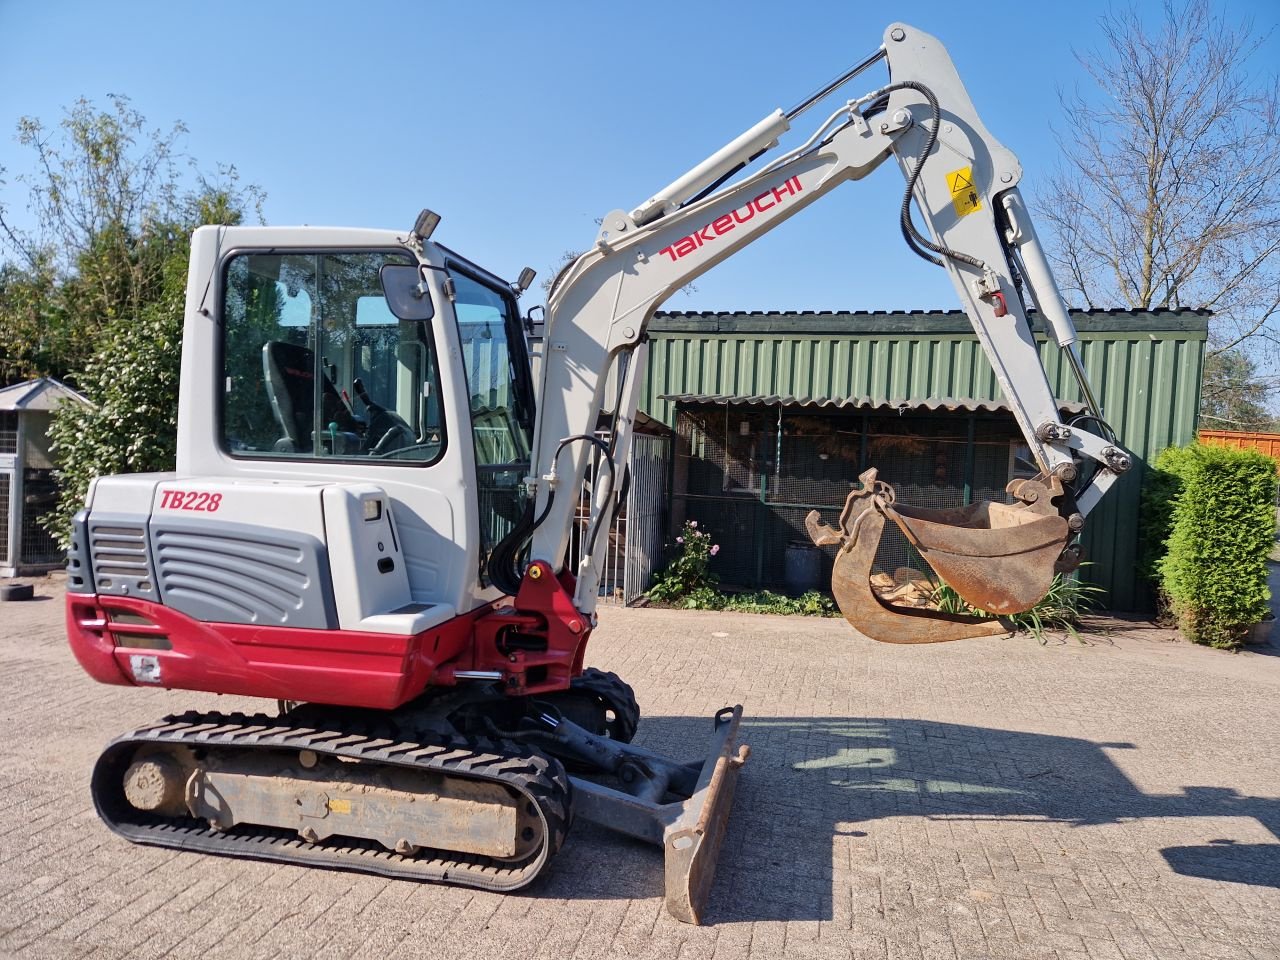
(693, 523)
(679, 539)
(715, 548)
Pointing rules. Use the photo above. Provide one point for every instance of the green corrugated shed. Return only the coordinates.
(1144, 366)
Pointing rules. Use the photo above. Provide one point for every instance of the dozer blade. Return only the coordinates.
(684, 808)
(997, 557)
(692, 842)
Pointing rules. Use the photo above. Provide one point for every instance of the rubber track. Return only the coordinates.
(532, 775)
(615, 693)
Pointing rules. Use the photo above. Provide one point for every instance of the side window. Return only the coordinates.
(501, 415)
(316, 366)
(485, 322)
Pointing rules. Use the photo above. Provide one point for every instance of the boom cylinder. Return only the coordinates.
(762, 136)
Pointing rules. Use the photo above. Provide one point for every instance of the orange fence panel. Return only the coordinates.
(1268, 443)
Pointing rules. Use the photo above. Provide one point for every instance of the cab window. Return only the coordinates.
(315, 365)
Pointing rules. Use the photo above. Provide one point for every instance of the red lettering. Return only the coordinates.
(723, 224)
(196, 500)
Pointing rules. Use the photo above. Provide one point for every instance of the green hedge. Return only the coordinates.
(1219, 514)
(1161, 490)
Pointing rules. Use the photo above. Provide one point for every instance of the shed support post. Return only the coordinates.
(969, 455)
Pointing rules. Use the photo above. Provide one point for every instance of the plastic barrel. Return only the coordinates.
(802, 567)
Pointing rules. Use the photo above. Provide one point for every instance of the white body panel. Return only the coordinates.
(371, 585)
(230, 500)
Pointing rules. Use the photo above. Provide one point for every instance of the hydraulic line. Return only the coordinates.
(919, 243)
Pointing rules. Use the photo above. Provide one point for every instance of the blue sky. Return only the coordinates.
(522, 123)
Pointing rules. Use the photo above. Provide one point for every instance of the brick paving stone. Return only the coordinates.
(992, 799)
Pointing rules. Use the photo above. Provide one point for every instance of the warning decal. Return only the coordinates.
(964, 195)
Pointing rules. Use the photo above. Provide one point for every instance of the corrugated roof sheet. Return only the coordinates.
(873, 322)
(931, 404)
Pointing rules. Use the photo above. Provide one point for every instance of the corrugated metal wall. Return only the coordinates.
(1145, 368)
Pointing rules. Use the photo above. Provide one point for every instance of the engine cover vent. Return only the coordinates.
(242, 573)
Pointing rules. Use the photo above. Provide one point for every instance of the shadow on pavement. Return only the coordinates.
(810, 779)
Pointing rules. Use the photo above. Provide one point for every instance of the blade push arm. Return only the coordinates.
(964, 184)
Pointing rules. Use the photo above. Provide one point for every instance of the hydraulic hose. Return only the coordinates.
(919, 243)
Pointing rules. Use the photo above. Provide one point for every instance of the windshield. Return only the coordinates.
(316, 366)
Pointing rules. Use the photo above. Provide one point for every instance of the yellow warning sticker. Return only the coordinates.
(339, 806)
(964, 195)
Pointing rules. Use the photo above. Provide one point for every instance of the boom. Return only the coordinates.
(964, 184)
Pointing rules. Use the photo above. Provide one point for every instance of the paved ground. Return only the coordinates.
(995, 798)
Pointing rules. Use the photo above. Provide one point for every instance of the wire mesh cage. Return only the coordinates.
(6, 493)
(750, 474)
(8, 431)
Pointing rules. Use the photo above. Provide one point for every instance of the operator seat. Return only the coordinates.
(289, 371)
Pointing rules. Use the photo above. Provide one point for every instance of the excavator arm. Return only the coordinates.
(964, 185)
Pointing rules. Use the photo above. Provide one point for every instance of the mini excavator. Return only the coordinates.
(373, 498)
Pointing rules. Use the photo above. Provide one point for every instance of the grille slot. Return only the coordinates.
(121, 562)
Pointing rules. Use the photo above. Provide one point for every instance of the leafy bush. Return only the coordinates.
(690, 571)
(810, 604)
(689, 584)
(1068, 597)
(133, 381)
(1161, 489)
(1223, 527)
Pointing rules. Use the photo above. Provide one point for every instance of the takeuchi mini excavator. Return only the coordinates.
(370, 515)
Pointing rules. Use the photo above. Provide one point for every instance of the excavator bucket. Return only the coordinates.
(998, 557)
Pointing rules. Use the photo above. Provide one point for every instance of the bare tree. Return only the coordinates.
(1170, 192)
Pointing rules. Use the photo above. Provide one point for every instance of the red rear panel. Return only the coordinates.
(128, 641)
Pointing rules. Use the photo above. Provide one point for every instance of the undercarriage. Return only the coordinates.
(469, 786)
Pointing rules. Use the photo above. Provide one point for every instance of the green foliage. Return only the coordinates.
(35, 337)
(1223, 528)
(810, 604)
(1161, 489)
(94, 291)
(1060, 609)
(133, 380)
(689, 573)
(689, 584)
(1233, 395)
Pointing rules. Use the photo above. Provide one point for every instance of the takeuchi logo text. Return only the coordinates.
(730, 221)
